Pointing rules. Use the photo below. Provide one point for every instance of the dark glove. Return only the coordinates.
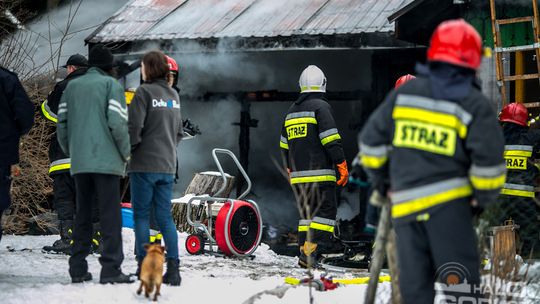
(190, 128)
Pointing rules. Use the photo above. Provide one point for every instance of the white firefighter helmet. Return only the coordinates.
(312, 80)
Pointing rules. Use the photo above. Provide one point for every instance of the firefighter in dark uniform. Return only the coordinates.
(517, 201)
(435, 147)
(312, 147)
(63, 183)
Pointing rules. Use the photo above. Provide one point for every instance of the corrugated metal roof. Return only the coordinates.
(195, 19)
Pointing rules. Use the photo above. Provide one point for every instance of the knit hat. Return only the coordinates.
(101, 57)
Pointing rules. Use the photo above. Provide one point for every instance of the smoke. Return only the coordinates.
(65, 27)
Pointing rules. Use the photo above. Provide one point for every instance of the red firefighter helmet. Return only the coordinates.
(401, 80)
(173, 66)
(516, 113)
(456, 42)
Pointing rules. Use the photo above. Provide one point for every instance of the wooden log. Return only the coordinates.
(504, 250)
(204, 183)
(209, 183)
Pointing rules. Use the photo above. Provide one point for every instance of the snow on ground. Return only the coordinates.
(29, 276)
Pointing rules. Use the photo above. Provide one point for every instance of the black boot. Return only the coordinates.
(86, 277)
(172, 275)
(119, 279)
(97, 241)
(63, 245)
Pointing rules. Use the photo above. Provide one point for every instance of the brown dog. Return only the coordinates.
(152, 270)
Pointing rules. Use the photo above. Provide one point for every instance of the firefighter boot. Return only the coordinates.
(172, 275)
(97, 241)
(63, 245)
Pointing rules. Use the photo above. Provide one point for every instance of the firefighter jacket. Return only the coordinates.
(310, 141)
(433, 151)
(16, 116)
(521, 146)
(93, 124)
(59, 162)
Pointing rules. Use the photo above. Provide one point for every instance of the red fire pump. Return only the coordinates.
(238, 225)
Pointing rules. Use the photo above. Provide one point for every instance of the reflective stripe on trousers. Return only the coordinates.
(61, 164)
(322, 224)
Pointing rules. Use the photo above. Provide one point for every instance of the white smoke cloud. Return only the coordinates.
(51, 31)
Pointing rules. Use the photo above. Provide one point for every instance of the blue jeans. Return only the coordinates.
(153, 190)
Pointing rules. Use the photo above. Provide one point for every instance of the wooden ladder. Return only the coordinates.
(502, 79)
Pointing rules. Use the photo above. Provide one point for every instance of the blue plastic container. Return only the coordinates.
(127, 218)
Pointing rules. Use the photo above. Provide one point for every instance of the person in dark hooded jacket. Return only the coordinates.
(16, 119)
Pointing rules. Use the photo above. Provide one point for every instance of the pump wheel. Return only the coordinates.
(195, 244)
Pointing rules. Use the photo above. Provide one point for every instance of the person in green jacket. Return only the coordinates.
(92, 130)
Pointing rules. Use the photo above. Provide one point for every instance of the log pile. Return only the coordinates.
(207, 183)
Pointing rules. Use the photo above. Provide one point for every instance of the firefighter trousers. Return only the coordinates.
(320, 201)
(65, 198)
(441, 248)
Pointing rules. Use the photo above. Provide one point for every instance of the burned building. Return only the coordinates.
(239, 66)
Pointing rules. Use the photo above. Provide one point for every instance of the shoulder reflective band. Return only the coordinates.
(284, 143)
(518, 190)
(313, 176)
(373, 157)
(329, 136)
(424, 136)
(61, 164)
(413, 200)
(487, 177)
(47, 111)
(307, 117)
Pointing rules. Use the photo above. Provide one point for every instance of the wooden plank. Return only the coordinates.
(532, 104)
(514, 20)
(521, 77)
